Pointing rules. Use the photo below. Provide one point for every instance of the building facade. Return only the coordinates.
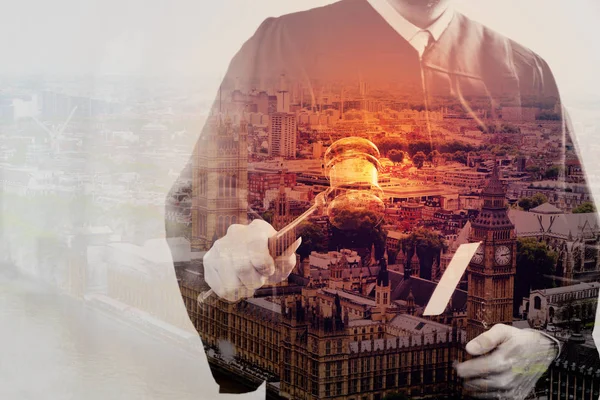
(492, 270)
(220, 175)
(282, 135)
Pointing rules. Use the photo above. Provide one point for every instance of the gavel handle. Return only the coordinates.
(283, 239)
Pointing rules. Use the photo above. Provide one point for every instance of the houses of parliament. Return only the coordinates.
(357, 332)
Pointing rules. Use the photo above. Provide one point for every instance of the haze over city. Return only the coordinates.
(102, 103)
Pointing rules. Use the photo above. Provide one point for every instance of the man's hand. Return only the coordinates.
(509, 362)
(239, 263)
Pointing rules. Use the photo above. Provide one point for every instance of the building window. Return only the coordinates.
(287, 357)
(440, 375)
(390, 381)
(537, 303)
(315, 368)
(415, 378)
(428, 376)
(402, 379)
(315, 388)
(378, 382)
(353, 386)
(221, 185)
(365, 385)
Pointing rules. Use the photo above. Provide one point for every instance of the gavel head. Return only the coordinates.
(354, 197)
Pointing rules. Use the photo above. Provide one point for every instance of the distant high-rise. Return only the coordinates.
(282, 135)
(283, 97)
(362, 89)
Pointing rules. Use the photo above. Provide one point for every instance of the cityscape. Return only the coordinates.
(348, 322)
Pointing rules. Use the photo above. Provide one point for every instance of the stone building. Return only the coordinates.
(219, 179)
(561, 304)
(575, 237)
(575, 374)
(328, 342)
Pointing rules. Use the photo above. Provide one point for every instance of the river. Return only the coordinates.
(53, 346)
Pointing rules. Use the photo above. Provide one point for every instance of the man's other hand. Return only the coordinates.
(508, 362)
(239, 263)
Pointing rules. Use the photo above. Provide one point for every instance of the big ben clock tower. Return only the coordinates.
(492, 269)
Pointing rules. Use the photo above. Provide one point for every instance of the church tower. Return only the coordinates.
(336, 274)
(382, 292)
(415, 264)
(492, 269)
(412, 265)
(219, 180)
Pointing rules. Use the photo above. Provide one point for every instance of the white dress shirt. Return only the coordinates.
(418, 38)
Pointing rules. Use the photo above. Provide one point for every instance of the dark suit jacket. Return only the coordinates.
(476, 71)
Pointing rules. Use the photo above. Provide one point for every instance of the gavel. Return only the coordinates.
(354, 199)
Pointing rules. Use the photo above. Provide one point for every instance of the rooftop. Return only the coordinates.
(265, 302)
(546, 208)
(352, 297)
(417, 325)
(362, 322)
(569, 289)
(531, 223)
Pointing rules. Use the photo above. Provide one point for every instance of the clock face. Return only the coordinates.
(503, 255)
(478, 256)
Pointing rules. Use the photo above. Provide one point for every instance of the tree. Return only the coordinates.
(355, 228)
(433, 154)
(417, 146)
(460, 156)
(527, 203)
(428, 244)
(538, 199)
(584, 208)
(314, 238)
(553, 172)
(536, 266)
(418, 159)
(397, 156)
(386, 144)
(566, 308)
(454, 146)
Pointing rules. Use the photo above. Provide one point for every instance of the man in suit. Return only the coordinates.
(413, 54)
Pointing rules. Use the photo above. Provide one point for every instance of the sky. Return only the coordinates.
(197, 38)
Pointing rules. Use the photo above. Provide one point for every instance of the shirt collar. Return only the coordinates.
(405, 28)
